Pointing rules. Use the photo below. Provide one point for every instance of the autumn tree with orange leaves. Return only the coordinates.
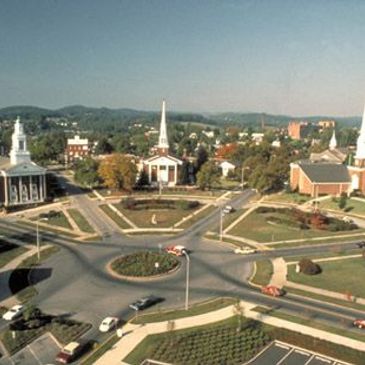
(118, 172)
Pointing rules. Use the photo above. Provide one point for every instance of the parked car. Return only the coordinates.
(177, 250)
(228, 209)
(146, 302)
(272, 290)
(244, 250)
(108, 323)
(14, 312)
(69, 353)
(360, 244)
(360, 323)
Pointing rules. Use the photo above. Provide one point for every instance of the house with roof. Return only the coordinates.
(162, 168)
(22, 182)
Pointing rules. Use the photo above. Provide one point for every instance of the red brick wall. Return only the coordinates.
(294, 176)
(294, 130)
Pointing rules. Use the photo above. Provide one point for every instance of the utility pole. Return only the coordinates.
(221, 226)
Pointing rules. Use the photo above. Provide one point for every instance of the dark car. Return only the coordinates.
(146, 302)
(360, 244)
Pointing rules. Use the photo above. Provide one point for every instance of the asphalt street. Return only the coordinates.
(80, 286)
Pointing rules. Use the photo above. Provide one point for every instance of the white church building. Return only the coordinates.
(162, 168)
(22, 182)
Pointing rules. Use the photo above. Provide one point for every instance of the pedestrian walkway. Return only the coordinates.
(280, 272)
(134, 334)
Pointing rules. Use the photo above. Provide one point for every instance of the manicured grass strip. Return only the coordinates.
(263, 274)
(307, 321)
(100, 350)
(9, 251)
(45, 228)
(55, 219)
(215, 236)
(352, 206)
(338, 252)
(19, 278)
(293, 198)
(80, 220)
(114, 216)
(324, 298)
(197, 217)
(194, 310)
(337, 276)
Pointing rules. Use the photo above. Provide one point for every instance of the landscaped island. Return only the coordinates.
(144, 264)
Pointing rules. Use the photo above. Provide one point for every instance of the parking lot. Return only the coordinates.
(41, 351)
(285, 354)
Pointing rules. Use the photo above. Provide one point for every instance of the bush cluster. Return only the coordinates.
(50, 214)
(143, 264)
(216, 346)
(309, 267)
(143, 204)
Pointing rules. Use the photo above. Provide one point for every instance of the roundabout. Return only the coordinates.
(143, 265)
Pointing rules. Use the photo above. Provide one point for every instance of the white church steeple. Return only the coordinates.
(333, 141)
(163, 144)
(360, 147)
(19, 152)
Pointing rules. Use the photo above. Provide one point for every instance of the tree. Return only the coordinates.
(86, 172)
(208, 175)
(103, 147)
(343, 201)
(201, 158)
(184, 173)
(143, 179)
(118, 172)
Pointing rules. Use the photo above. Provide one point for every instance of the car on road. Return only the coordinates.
(228, 209)
(69, 353)
(360, 323)
(14, 312)
(272, 290)
(244, 250)
(146, 302)
(360, 244)
(108, 323)
(177, 250)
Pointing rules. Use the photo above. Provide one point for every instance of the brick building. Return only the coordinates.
(77, 148)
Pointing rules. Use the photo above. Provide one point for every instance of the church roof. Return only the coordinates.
(24, 168)
(325, 172)
(157, 157)
(336, 155)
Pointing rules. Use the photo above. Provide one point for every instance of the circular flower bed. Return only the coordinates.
(144, 264)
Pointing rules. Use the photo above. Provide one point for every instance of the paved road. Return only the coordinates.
(80, 286)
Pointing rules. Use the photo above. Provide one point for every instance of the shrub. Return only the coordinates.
(263, 210)
(308, 267)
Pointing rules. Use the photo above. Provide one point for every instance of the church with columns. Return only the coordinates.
(22, 182)
(162, 168)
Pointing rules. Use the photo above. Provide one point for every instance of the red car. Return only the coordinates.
(360, 323)
(272, 290)
(177, 250)
(69, 353)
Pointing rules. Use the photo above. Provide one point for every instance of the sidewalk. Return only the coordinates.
(134, 334)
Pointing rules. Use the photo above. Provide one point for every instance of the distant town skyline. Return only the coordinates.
(279, 57)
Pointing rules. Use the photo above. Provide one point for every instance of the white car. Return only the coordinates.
(13, 312)
(228, 209)
(108, 323)
(244, 250)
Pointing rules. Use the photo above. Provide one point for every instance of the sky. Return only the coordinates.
(295, 57)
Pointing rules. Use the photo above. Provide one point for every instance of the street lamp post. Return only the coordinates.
(243, 175)
(221, 226)
(187, 280)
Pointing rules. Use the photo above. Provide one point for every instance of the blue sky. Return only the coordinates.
(292, 57)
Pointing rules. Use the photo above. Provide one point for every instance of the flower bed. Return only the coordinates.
(143, 264)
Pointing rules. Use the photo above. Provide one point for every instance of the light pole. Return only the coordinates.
(187, 279)
(38, 240)
(221, 226)
(243, 174)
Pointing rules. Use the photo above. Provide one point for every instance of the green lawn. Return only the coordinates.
(9, 252)
(352, 206)
(58, 220)
(165, 217)
(80, 220)
(194, 310)
(333, 252)
(341, 276)
(197, 217)
(294, 198)
(264, 271)
(256, 227)
(114, 216)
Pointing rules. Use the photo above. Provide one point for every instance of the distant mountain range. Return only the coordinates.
(89, 115)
